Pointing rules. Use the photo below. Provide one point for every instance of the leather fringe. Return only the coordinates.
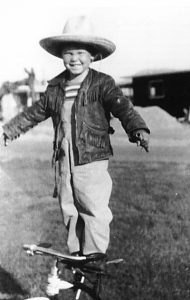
(92, 138)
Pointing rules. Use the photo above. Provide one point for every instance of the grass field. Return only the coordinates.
(151, 227)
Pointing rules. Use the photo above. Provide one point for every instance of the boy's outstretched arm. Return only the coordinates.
(24, 121)
(122, 108)
(132, 122)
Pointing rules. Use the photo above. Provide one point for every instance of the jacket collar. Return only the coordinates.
(58, 79)
(62, 77)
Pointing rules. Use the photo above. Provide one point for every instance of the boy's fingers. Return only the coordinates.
(144, 144)
(4, 140)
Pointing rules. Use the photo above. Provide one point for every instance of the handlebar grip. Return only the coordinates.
(30, 247)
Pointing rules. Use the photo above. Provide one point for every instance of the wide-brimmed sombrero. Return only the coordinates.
(78, 30)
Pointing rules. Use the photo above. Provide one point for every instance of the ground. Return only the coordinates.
(150, 203)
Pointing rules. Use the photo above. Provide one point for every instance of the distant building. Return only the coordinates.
(169, 90)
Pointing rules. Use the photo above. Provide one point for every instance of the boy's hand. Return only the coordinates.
(4, 140)
(141, 138)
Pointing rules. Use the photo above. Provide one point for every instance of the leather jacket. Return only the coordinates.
(97, 99)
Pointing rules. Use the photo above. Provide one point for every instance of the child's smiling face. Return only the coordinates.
(76, 59)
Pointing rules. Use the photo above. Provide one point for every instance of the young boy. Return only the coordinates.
(80, 101)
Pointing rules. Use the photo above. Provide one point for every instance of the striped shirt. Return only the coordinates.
(71, 92)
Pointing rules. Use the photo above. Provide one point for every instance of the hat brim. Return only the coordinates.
(100, 47)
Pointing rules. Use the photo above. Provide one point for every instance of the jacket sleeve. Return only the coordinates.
(122, 108)
(27, 119)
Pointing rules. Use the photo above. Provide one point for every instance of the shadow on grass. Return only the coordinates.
(9, 287)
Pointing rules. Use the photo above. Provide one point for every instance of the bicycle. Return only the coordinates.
(81, 268)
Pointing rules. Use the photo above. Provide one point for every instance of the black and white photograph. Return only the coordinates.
(95, 150)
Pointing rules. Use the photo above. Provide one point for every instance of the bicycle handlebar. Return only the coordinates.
(38, 250)
(34, 249)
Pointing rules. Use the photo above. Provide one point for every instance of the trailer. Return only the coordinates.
(168, 90)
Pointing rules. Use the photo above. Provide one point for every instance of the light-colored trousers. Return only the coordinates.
(84, 193)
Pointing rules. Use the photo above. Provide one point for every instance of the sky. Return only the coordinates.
(149, 34)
